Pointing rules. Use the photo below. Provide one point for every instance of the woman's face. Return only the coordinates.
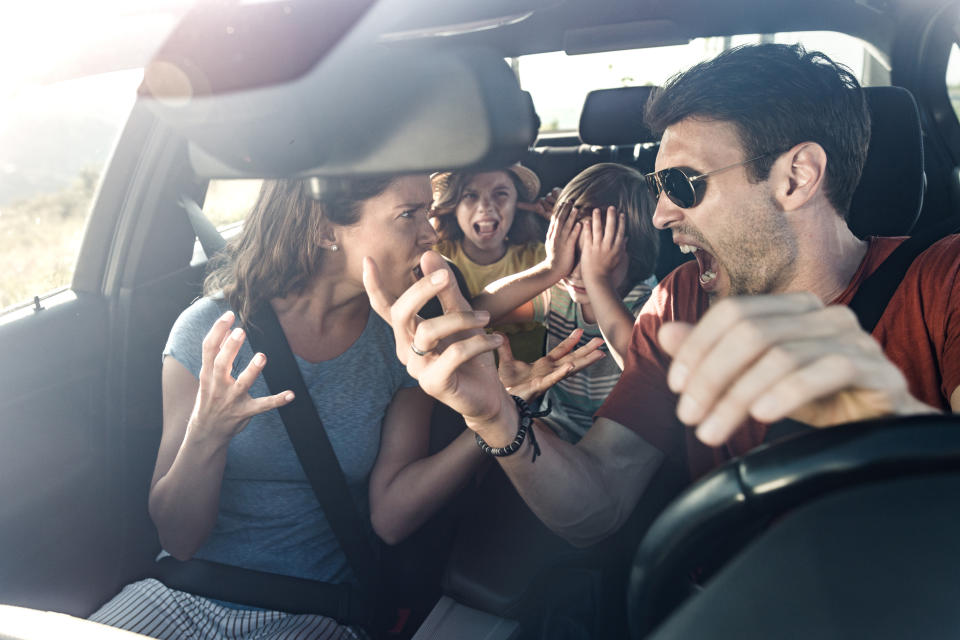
(394, 231)
(485, 214)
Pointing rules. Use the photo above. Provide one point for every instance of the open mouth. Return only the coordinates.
(486, 227)
(417, 272)
(706, 262)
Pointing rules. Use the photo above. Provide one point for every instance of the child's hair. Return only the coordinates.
(448, 190)
(610, 184)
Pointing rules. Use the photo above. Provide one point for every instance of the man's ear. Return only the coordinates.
(800, 175)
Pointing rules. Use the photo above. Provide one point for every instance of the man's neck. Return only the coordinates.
(830, 255)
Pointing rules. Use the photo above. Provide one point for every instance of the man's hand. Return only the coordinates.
(543, 207)
(603, 244)
(456, 366)
(780, 356)
(530, 381)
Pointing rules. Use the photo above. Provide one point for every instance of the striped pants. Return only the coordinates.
(152, 609)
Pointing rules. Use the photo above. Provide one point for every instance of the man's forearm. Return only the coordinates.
(582, 492)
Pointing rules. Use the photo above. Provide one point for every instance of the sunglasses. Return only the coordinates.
(686, 191)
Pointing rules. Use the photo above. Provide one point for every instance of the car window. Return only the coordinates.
(558, 103)
(953, 78)
(55, 141)
(228, 202)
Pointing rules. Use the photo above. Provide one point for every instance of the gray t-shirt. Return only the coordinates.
(269, 518)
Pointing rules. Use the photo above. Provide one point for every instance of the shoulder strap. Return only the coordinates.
(313, 447)
(870, 300)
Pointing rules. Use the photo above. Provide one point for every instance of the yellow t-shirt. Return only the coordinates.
(527, 338)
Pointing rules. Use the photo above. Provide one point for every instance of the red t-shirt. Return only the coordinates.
(919, 331)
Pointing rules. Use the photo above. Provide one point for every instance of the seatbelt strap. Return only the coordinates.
(210, 239)
(313, 447)
(303, 425)
(871, 299)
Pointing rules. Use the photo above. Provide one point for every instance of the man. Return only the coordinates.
(761, 151)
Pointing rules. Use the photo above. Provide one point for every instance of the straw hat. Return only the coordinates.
(529, 182)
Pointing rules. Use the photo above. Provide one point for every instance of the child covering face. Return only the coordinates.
(487, 226)
(597, 271)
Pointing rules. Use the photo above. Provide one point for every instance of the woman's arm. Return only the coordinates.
(199, 419)
(407, 486)
(602, 251)
(507, 298)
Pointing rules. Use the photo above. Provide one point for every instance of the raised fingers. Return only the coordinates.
(213, 340)
(430, 333)
(223, 362)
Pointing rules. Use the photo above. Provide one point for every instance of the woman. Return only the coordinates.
(227, 486)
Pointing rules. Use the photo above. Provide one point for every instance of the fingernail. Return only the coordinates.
(288, 397)
(438, 277)
(236, 334)
(677, 377)
(482, 316)
(709, 432)
(688, 409)
(259, 359)
(226, 316)
(765, 407)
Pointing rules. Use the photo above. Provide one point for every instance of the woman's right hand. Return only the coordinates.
(456, 366)
(224, 406)
(561, 242)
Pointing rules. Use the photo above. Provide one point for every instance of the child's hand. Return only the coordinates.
(561, 241)
(543, 207)
(602, 246)
(530, 381)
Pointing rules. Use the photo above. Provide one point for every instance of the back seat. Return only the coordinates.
(611, 130)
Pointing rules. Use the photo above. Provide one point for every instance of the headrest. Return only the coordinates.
(888, 199)
(614, 117)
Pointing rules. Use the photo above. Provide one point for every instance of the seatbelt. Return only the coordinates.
(303, 425)
(210, 239)
(871, 299)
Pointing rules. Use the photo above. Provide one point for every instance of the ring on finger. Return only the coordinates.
(417, 351)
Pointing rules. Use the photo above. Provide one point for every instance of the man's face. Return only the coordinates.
(739, 235)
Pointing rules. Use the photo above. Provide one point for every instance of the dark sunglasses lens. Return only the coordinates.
(678, 188)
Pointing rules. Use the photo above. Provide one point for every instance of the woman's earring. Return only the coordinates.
(334, 247)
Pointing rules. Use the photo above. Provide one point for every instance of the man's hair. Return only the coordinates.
(776, 96)
(279, 250)
(524, 229)
(606, 184)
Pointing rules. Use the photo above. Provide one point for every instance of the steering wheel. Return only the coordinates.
(749, 491)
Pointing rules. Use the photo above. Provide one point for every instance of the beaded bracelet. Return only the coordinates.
(526, 426)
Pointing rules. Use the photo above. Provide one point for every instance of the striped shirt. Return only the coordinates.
(577, 397)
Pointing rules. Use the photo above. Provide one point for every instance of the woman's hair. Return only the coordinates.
(280, 248)
(524, 229)
(606, 184)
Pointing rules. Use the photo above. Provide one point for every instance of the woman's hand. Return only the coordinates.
(561, 242)
(224, 406)
(602, 246)
(543, 207)
(450, 355)
(530, 381)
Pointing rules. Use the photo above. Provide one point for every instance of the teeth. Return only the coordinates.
(687, 248)
(486, 227)
(707, 276)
